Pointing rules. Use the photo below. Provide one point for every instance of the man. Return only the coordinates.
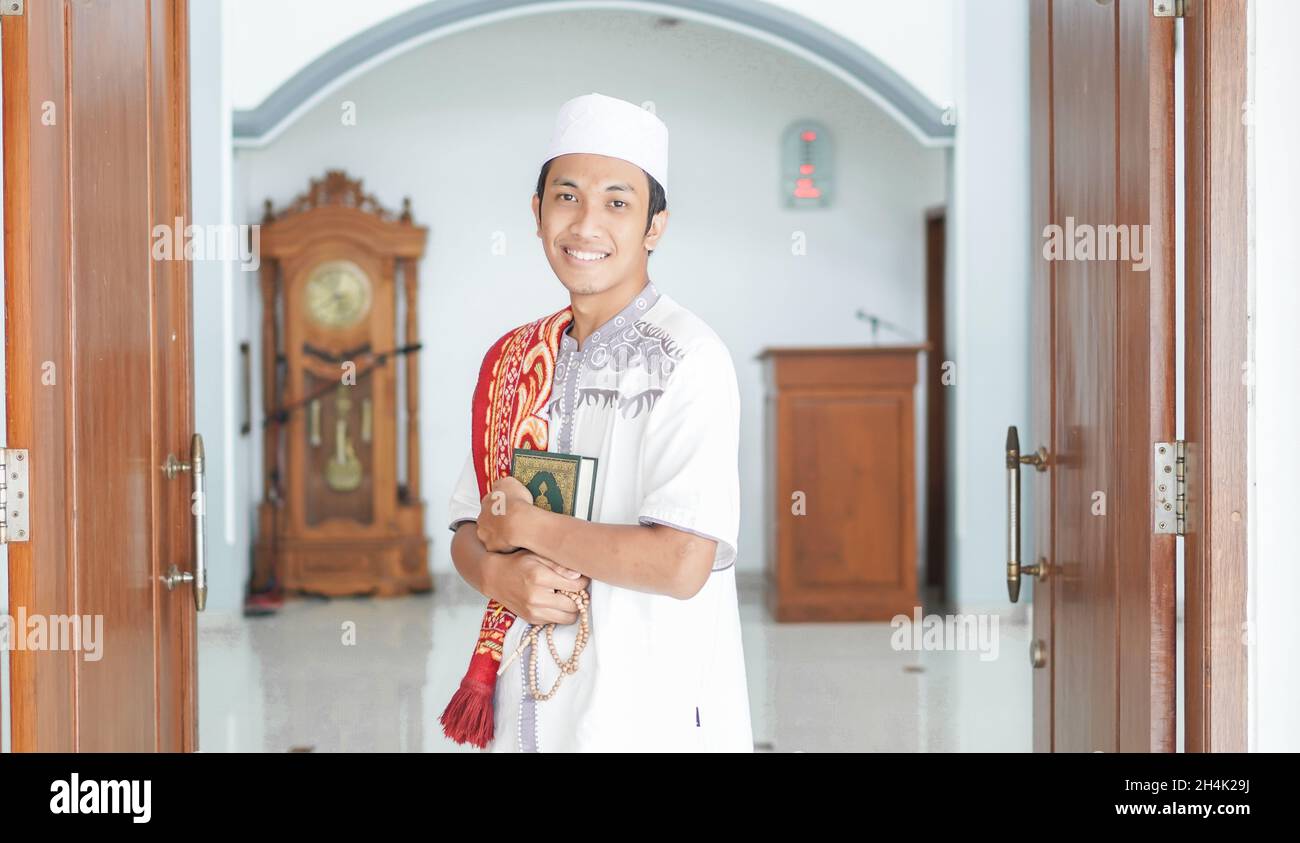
(648, 389)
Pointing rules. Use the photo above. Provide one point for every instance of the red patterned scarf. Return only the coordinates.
(514, 384)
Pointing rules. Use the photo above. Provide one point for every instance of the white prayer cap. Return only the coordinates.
(601, 125)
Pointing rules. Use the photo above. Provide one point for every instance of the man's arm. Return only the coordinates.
(652, 557)
(472, 560)
(526, 583)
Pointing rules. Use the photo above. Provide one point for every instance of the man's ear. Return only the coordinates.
(657, 226)
(537, 213)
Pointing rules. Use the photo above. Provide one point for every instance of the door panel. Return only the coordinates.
(1215, 553)
(1043, 334)
(1146, 298)
(100, 380)
(173, 350)
(37, 334)
(110, 388)
(1083, 94)
(1103, 138)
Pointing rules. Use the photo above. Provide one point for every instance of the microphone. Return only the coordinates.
(875, 321)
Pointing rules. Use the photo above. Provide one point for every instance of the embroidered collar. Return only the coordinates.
(606, 333)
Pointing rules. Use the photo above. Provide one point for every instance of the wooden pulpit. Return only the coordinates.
(841, 482)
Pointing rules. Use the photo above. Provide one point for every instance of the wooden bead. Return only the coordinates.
(566, 666)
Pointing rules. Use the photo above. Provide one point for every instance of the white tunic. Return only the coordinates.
(652, 395)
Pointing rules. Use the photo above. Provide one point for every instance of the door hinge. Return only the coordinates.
(11, 7)
(1167, 8)
(1170, 493)
(14, 494)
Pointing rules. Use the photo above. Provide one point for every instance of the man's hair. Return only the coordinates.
(658, 201)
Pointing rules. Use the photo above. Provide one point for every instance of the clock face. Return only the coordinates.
(338, 294)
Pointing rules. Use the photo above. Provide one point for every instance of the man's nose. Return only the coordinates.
(587, 223)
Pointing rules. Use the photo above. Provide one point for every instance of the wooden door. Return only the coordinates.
(1217, 348)
(936, 407)
(99, 369)
(1103, 156)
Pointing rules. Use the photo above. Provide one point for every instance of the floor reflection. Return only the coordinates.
(362, 675)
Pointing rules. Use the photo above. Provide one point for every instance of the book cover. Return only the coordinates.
(564, 483)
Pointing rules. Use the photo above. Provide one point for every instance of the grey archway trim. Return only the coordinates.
(911, 106)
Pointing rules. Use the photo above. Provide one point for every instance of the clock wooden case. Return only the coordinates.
(340, 516)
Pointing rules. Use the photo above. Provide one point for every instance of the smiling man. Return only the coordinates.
(628, 376)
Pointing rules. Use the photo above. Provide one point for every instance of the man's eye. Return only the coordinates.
(620, 203)
(564, 196)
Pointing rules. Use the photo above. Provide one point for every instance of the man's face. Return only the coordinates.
(591, 219)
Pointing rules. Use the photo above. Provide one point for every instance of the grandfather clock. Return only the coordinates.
(338, 516)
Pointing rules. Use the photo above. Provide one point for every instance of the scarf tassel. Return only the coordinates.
(469, 716)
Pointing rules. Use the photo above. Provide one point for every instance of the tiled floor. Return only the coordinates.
(291, 681)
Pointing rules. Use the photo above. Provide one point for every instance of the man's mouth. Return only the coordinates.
(585, 256)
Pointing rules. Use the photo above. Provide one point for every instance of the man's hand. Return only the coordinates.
(528, 585)
(499, 511)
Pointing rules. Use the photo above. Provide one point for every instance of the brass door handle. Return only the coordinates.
(198, 508)
(1039, 460)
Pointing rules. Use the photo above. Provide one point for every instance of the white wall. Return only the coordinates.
(217, 323)
(459, 125)
(1274, 456)
(914, 38)
(990, 248)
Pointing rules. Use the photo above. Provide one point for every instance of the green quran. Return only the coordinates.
(564, 483)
